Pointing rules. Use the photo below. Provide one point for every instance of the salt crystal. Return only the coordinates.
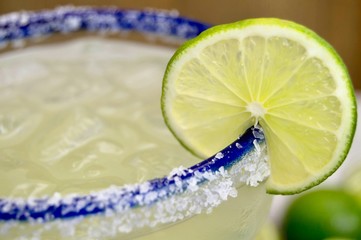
(209, 176)
(91, 207)
(256, 145)
(219, 155)
(80, 204)
(150, 197)
(179, 171)
(193, 184)
(55, 199)
(6, 207)
(222, 172)
(24, 18)
(73, 23)
(143, 188)
(178, 182)
(223, 193)
(162, 193)
(258, 132)
(198, 174)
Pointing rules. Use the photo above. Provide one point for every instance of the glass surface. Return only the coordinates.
(81, 135)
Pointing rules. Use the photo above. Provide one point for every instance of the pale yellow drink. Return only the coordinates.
(80, 116)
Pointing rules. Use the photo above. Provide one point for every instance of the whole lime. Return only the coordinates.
(352, 183)
(323, 214)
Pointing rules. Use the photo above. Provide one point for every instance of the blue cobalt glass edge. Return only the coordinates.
(24, 25)
(27, 25)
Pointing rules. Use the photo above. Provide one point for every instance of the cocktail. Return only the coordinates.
(85, 153)
(82, 134)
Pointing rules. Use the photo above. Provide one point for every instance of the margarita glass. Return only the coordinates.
(84, 152)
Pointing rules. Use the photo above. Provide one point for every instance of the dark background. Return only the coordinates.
(338, 21)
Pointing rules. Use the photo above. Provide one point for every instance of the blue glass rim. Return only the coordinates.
(28, 25)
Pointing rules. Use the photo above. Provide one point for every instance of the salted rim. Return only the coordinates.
(19, 26)
(121, 198)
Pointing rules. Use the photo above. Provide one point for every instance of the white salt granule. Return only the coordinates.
(257, 132)
(6, 207)
(80, 204)
(256, 145)
(178, 182)
(219, 155)
(54, 199)
(224, 190)
(150, 197)
(193, 184)
(239, 146)
(143, 188)
(198, 174)
(222, 171)
(179, 171)
(209, 176)
(73, 23)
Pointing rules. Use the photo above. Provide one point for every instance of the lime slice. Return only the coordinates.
(272, 72)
